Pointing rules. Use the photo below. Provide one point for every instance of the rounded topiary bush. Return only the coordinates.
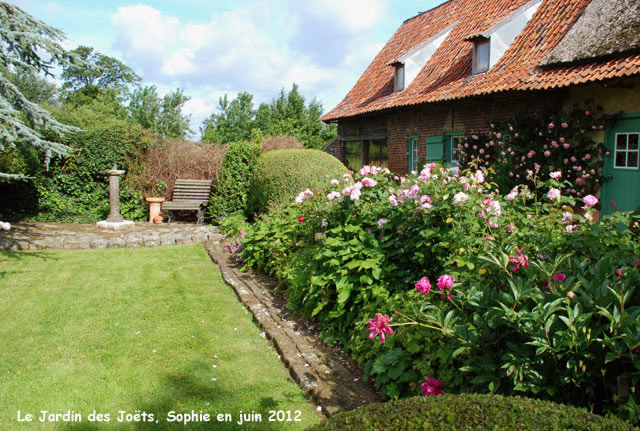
(470, 412)
(282, 174)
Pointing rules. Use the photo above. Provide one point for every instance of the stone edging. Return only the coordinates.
(318, 370)
(39, 236)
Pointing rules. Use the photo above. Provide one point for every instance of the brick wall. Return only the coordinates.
(468, 116)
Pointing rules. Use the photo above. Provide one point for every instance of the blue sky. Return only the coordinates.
(211, 48)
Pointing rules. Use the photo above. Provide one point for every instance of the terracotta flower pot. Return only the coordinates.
(158, 219)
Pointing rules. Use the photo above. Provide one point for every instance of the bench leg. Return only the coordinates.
(200, 215)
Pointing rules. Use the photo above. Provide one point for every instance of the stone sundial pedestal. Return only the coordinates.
(115, 219)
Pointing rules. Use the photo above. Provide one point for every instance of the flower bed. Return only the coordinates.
(529, 297)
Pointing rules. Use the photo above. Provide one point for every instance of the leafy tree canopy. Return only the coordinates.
(97, 72)
(285, 115)
(28, 47)
(234, 121)
(161, 115)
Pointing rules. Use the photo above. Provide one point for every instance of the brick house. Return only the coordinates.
(447, 72)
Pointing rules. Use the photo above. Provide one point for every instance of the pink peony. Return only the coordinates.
(432, 387)
(520, 261)
(423, 285)
(380, 326)
(445, 282)
(559, 277)
(547, 153)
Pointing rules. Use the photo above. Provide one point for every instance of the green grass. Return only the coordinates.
(133, 329)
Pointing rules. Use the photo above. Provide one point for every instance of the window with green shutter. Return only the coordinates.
(452, 140)
(413, 153)
(435, 149)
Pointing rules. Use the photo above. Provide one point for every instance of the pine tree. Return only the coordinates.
(28, 46)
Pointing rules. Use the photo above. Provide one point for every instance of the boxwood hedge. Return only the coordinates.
(470, 412)
(282, 174)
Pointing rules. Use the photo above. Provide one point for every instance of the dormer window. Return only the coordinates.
(398, 79)
(481, 50)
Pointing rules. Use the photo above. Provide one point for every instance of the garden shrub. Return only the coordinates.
(280, 143)
(470, 412)
(166, 160)
(75, 188)
(548, 142)
(232, 187)
(530, 298)
(282, 174)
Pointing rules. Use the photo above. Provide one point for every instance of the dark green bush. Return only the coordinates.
(282, 174)
(470, 412)
(232, 187)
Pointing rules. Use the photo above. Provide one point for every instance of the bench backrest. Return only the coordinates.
(192, 190)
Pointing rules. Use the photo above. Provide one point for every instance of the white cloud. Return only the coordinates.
(260, 48)
(354, 15)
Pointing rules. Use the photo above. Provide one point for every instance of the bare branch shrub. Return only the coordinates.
(280, 143)
(165, 161)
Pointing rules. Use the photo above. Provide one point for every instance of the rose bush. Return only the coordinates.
(529, 298)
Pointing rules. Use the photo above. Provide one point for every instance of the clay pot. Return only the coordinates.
(158, 219)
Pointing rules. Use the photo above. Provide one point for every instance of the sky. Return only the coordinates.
(209, 48)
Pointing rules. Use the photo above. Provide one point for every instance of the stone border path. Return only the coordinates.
(333, 383)
(38, 236)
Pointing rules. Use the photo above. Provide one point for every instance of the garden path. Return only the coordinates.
(333, 382)
(36, 236)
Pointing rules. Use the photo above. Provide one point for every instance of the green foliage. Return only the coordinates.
(232, 187)
(233, 225)
(281, 174)
(28, 47)
(76, 189)
(470, 412)
(361, 249)
(97, 72)
(233, 123)
(287, 115)
(162, 116)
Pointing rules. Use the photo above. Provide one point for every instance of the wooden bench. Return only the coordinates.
(189, 195)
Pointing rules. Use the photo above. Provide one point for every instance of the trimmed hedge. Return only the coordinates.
(233, 182)
(282, 174)
(470, 412)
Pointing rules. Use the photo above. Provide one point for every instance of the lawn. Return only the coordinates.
(137, 331)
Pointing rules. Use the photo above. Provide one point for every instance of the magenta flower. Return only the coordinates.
(380, 326)
(559, 277)
(564, 125)
(445, 282)
(423, 285)
(590, 200)
(520, 261)
(432, 387)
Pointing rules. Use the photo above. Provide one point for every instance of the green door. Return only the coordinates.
(621, 189)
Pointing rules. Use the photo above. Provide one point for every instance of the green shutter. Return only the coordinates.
(435, 148)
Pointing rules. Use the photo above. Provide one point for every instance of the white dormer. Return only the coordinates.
(491, 44)
(410, 64)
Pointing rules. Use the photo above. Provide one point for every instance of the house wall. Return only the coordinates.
(614, 96)
(468, 116)
(473, 115)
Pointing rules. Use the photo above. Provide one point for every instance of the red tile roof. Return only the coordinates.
(447, 75)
